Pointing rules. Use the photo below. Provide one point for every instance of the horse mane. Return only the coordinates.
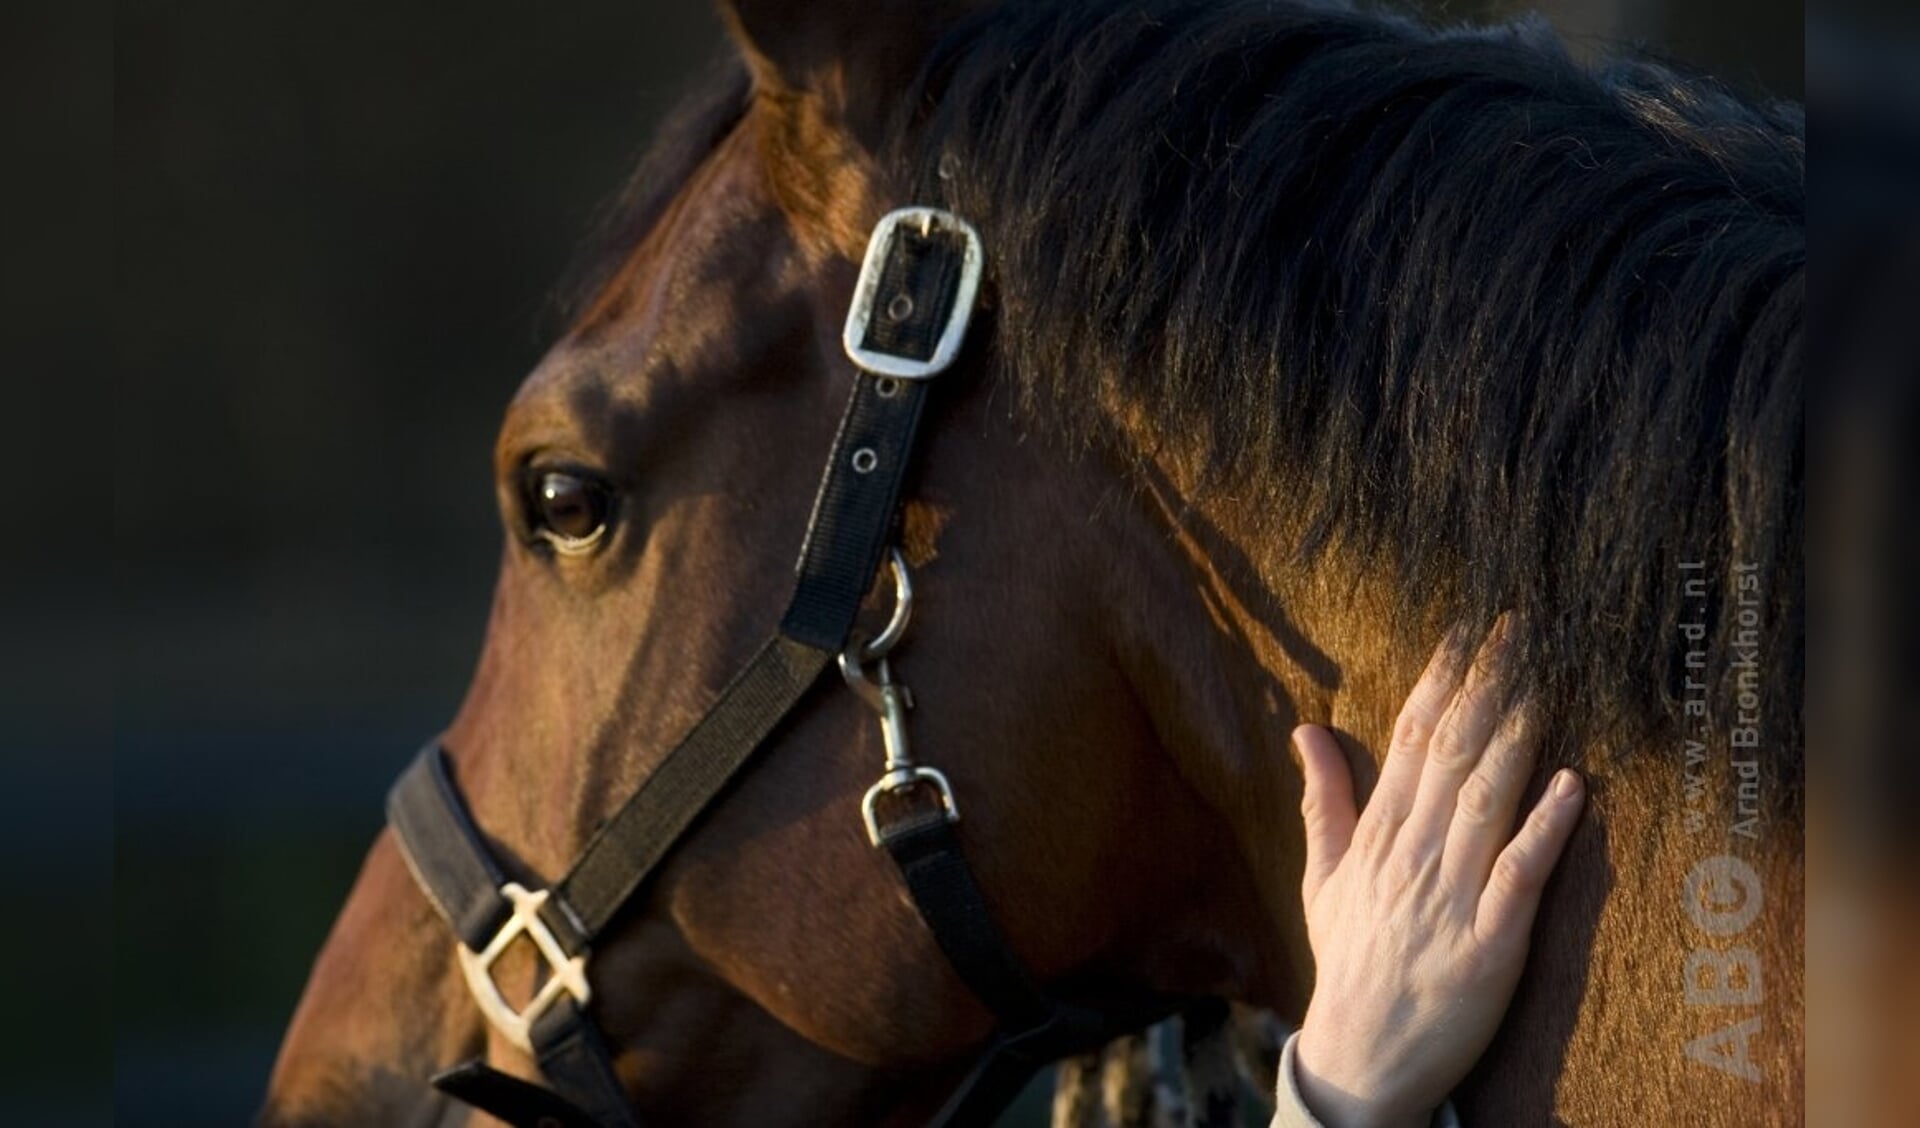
(1526, 332)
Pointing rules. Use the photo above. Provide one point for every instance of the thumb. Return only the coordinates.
(1326, 803)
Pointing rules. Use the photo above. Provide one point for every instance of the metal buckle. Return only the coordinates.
(569, 975)
(866, 293)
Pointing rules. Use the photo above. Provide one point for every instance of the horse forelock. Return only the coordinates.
(1530, 331)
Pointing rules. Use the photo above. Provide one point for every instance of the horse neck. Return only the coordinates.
(1231, 644)
(1671, 938)
(1653, 888)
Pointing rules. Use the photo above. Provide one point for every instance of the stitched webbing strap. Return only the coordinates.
(854, 510)
(1034, 1028)
(852, 516)
(444, 849)
(508, 1098)
(575, 1061)
(927, 852)
(630, 846)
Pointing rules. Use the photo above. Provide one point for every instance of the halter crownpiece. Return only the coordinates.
(905, 324)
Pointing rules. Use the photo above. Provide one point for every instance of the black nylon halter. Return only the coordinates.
(909, 314)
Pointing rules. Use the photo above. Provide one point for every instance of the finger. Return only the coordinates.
(1489, 802)
(1326, 803)
(1459, 741)
(1393, 795)
(1520, 872)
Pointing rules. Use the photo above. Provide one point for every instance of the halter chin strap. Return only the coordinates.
(909, 314)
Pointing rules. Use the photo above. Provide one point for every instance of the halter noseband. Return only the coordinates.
(908, 317)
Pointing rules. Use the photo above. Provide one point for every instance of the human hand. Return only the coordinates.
(1419, 909)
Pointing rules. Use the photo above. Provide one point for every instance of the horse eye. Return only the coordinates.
(569, 510)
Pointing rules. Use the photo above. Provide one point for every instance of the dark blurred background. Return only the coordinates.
(338, 225)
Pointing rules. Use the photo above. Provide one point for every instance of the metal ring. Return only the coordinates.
(864, 460)
(902, 610)
(569, 974)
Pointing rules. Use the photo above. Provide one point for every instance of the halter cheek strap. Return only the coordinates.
(909, 315)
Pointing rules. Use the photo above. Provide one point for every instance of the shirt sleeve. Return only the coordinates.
(1290, 1111)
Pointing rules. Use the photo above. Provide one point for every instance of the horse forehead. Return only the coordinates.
(716, 313)
(670, 362)
(700, 283)
(627, 372)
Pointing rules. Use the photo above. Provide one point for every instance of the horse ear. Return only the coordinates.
(857, 58)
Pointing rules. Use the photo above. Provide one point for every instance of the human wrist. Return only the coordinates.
(1338, 1099)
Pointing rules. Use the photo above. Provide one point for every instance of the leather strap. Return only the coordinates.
(510, 1099)
(575, 1061)
(853, 514)
(631, 845)
(1034, 1028)
(927, 852)
(445, 851)
(852, 518)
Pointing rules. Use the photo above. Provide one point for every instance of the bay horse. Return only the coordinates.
(1304, 335)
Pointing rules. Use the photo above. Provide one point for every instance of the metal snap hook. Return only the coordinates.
(890, 701)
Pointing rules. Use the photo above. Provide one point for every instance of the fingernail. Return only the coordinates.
(1565, 784)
